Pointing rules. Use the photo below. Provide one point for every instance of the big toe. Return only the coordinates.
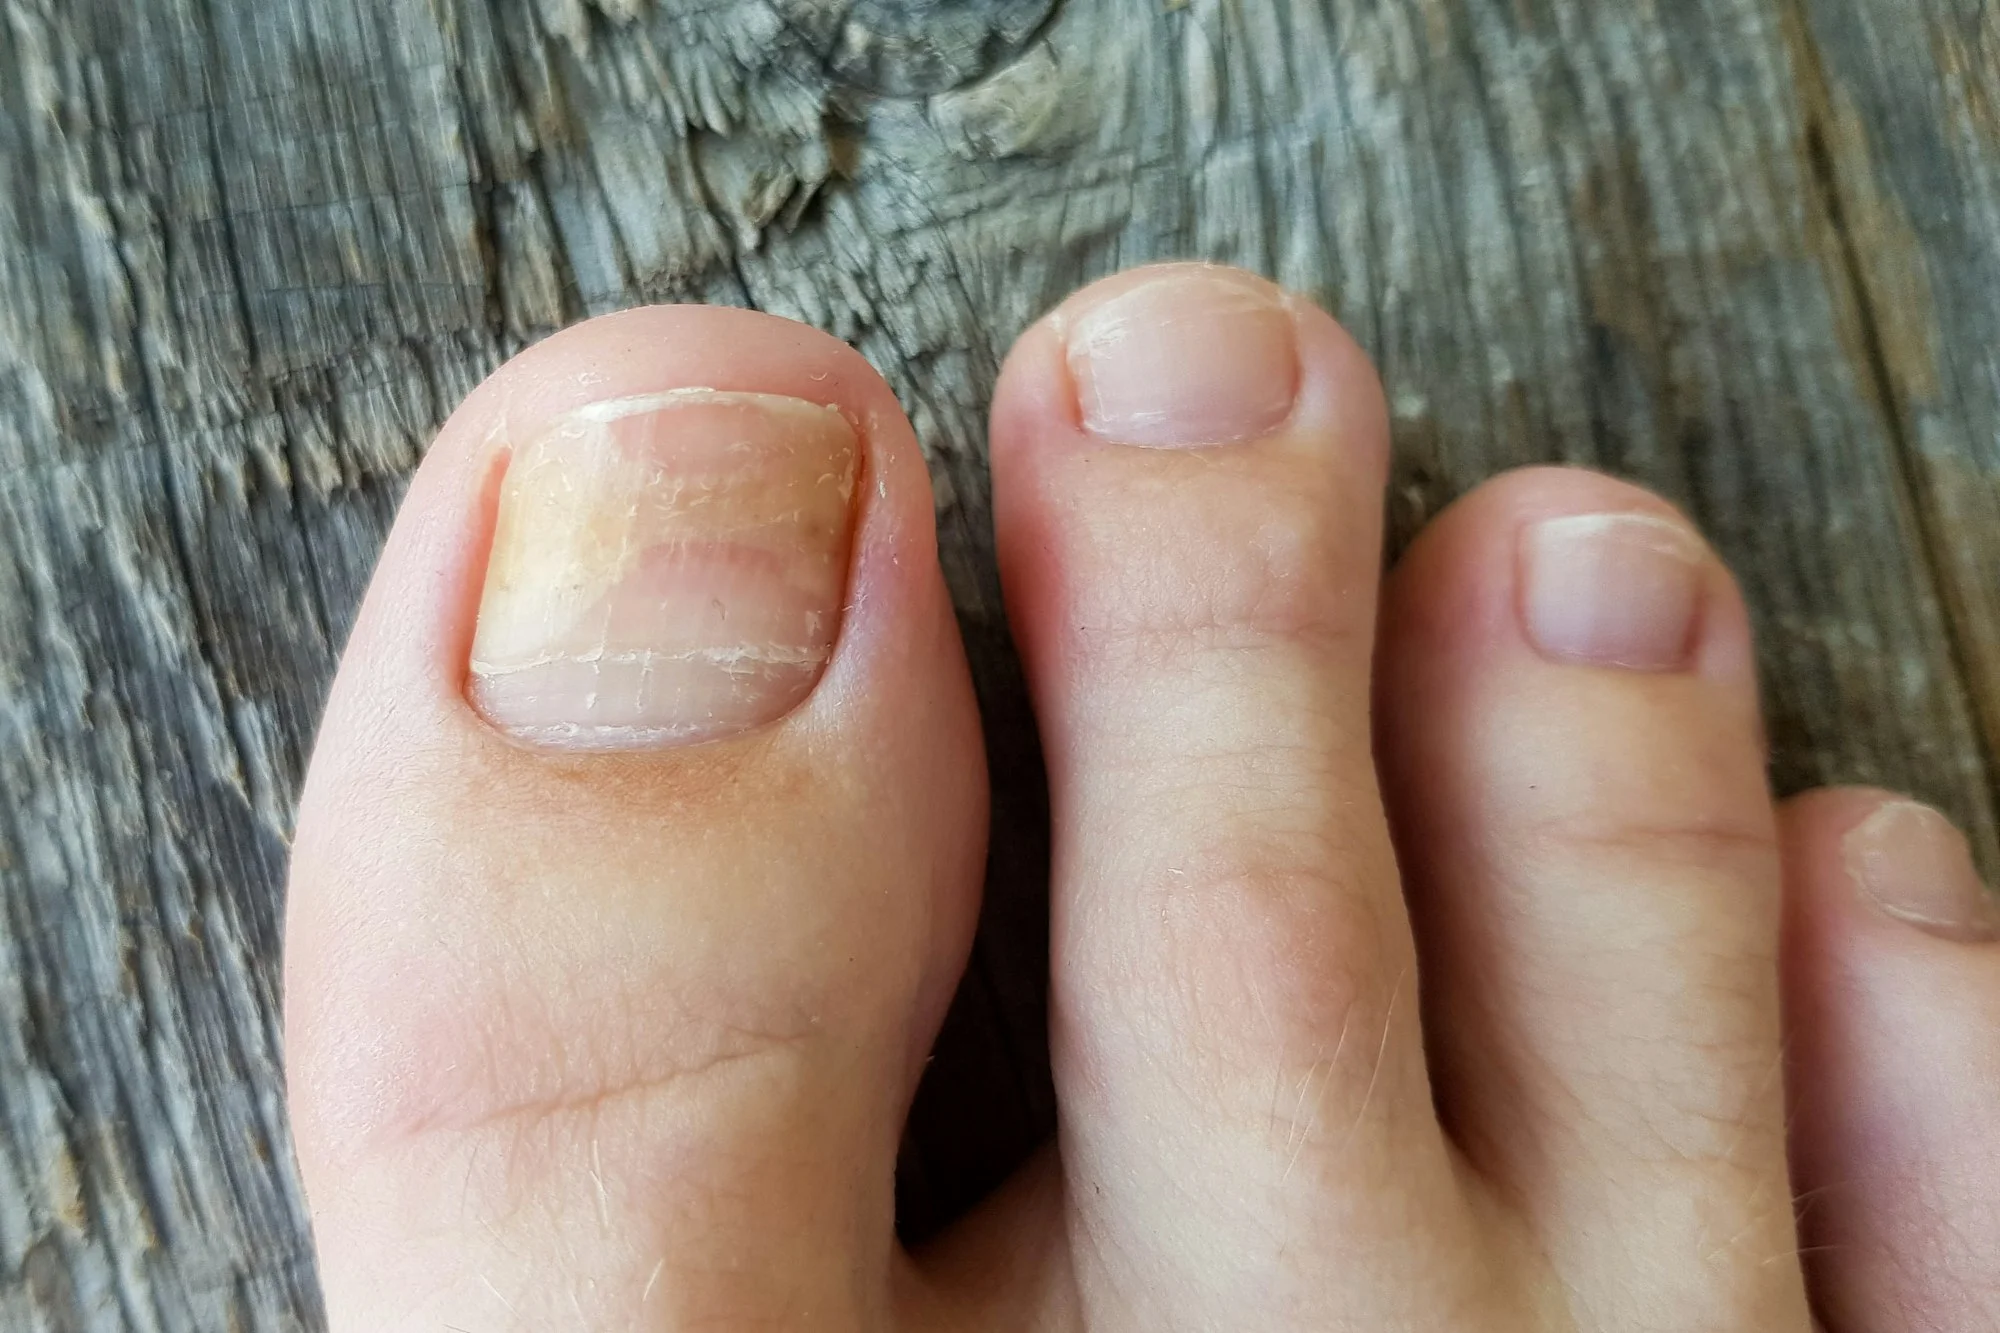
(639, 851)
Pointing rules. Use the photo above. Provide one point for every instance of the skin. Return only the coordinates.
(1403, 977)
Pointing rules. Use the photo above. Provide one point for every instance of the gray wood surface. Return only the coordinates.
(251, 251)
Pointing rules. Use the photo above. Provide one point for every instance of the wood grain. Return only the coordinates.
(251, 251)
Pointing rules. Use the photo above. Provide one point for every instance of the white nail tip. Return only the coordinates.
(618, 409)
(1651, 531)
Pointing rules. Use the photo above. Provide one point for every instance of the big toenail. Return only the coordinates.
(665, 569)
(1916, 866)
(1191, 356)
(1614, 590)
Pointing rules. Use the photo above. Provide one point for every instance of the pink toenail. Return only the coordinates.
(1192, 356)
(665, 569)
(1915, 865)
(1613, 590)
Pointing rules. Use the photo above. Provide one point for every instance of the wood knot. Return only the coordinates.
(912, 48)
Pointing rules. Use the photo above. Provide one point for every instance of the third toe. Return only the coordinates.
(1574, 767)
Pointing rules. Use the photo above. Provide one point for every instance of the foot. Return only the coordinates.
(1427, 954)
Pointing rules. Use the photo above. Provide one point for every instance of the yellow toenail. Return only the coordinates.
(665, 569)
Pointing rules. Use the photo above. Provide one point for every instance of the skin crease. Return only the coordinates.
(1406, 974)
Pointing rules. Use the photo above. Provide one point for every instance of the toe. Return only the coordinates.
(1892, 994)
(1188, 470)
(638, 852)
(1571, 753)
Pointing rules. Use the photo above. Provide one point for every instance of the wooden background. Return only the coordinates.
(252, 251)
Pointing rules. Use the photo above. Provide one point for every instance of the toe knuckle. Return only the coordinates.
(1267, 950)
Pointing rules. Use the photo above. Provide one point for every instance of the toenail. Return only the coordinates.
(665, 569)
(1192, 356)
(1615, 590)
(1916, 866)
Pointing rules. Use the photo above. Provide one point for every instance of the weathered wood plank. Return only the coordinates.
(251, 251)
(1903, 112)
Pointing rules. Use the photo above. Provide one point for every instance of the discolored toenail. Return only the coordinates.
(1916, 866)
(1192, 356)
(1613, 590)
(665, 569)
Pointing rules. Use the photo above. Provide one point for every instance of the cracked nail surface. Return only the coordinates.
(665, 570)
